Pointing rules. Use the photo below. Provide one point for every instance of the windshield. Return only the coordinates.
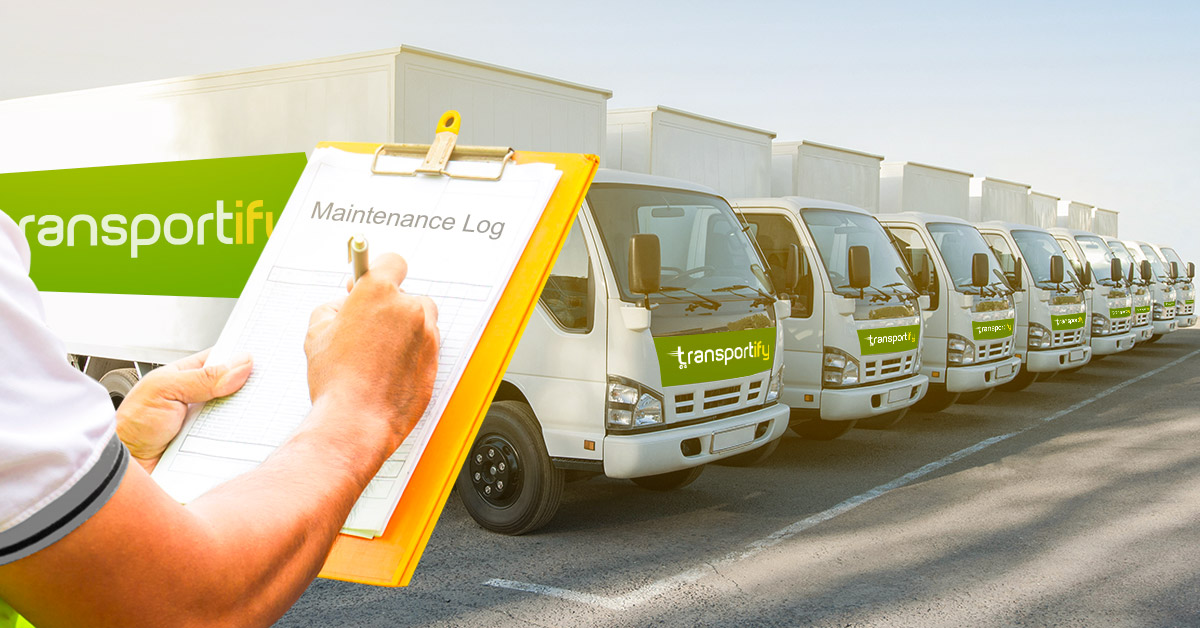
(958, 244)
(835, 231)
(707, 259)
(1099, 256)
(1037, 248)
(1172, 256)
(1156, 263)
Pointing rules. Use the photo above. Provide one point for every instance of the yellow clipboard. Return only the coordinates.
(391, 559)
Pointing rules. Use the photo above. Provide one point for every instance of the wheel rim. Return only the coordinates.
(496, 471)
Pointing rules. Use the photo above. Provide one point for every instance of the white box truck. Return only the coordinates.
(1139, 290)
(997, 199)
(1104, 223)
(1052, 321)
(1042, 210)
(734, 159)
(1075, 215)
(1162, 287)
(1185, 302)
(968, 344)
(825, 172)
(1109, 299)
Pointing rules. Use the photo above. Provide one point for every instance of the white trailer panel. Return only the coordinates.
(731, 158)
(824, 172)
(913, 187)
(1075, 215)
(1041, 210)
(997, 199)
(1104, 222)
(393, 95)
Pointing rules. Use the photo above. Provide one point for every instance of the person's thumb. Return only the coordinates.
(212, 381)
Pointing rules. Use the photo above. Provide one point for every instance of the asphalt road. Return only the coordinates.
(1073, 503)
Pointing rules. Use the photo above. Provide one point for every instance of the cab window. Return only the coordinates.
(774, 235)
(569, 294)
(1004, 253)
(912, 248)
(1069, 252)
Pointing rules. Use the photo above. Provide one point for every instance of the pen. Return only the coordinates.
(357, 247)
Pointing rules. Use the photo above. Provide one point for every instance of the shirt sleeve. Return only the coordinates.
(60, 460)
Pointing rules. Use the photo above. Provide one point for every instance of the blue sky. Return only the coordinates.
(1097, 102)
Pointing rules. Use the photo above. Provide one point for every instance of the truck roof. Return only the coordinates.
(608, 175)
(1072, 232)
(797, 203)
(1008, 226)
(922, 218)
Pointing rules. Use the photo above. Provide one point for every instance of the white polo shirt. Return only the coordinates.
(60, 459)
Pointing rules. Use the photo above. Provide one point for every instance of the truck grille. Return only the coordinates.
(1185, 310)
(712, 399)
(898, 365)
(1067, 338)
(1141, 319)
(1120, 325)
(994, 350)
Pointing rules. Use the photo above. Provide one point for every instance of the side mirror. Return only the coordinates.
(645, 264)
(1146, 270)
(1018, 274)
(979, 270)
(1174, 270)
(1088, 275)
(1191, 270)
(1056, 269)
(1114, 269)
(792, 276)
(860, 266)
(1131, 274)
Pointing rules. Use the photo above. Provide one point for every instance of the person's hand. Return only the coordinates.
(153, 411)
(375, 350)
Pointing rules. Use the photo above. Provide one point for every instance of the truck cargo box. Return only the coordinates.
(1075, 215)
(914, 187)
(826, 172)
(731, 158)
(1104, 222)
(1041, 210)
(393, 95)
(997, 199)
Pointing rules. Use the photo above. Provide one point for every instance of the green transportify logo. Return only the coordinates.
(184, 228)
(1119, 312)
(1067, 321)
(889, 339)
(1169, 304)
(1189, 301)
(1142, 309)
(698, 358)
(992, 330)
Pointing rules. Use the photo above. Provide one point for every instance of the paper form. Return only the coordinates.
(461, 239)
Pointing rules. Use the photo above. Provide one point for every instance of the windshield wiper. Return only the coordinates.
(703, 302)
(882, 298)
(901, 294)
(763, 296)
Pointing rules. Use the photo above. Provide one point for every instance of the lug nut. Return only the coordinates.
(478, 458)
(487, 490)
(477, 476)
(493, 470)
(491, 453)
(500, 486)
(501, 466)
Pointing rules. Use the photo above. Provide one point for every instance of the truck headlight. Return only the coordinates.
(1157, 310)
(839, 368)
(774, 388)
(1101, 326)
(1039, 337)
(959, 350)
(629, 404)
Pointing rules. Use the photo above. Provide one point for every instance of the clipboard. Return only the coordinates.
(391, 559)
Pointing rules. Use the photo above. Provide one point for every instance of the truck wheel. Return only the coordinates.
(1022, 381)
(1154, 338)
(975, 396)
(936, 400)
(882, 421)
(751, 458)
(118, 383)
(818, 429)
(670, 481)
(508, 483)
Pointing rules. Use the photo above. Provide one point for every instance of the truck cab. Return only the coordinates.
(1109, 300)
(1139, 292)
(1052, 319)
(1162, 287)
(652, 351)
(1185, 301)
(852, 340)
(970, 324)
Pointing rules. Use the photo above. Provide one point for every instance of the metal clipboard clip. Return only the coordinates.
(437, 156)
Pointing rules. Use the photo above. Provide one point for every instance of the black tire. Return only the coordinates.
(818, 429)
(118, 383)
(508, 483)
(976, 396)
(1022, 381)
(751, 458)
(882, 421)
(1154, 338)
(670, 481)
(936, 400)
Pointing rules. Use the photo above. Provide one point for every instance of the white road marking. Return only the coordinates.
(654, 589)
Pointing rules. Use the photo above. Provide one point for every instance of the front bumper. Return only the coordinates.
(1185, 321)
(639, 455)
(848, 404)
(1144, 333)
(1163, 327)
(960, 379)
(1116, 343)
(1054, 360)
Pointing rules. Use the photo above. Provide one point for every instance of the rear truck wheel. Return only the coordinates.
(936, 400)
(1022, 381)
(508, 483)
(118, 383)
(670, 481)
(975, 396)
(882, 421)
(751, 458)
(819, 429)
